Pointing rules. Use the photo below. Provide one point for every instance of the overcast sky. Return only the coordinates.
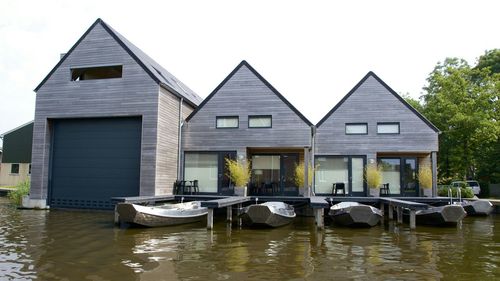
(312, 52)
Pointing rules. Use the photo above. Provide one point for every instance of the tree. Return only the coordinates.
(464, 103)
(491, 60)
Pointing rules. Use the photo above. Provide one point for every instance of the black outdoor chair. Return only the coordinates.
(195, 187)
(384, 190)
(338, 186)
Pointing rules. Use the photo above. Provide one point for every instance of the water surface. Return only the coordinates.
(77, 245)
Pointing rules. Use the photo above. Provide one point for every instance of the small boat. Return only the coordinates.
(164, 215)
(441, 216)
(269, 214)
(354, 214)
(477, 207)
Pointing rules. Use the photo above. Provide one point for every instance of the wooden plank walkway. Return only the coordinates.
(400, 205)
(227, 202)
(143, 199)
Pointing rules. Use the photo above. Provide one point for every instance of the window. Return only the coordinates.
(356, 129)
(260, 121)
(226, 122)
(14, 169)
(100, 72)
(387, 128)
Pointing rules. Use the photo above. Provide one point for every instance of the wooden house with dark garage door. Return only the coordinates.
(106, 124)
(245, 117)
(373, 124)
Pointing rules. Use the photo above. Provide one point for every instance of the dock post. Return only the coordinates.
(318, 215)
(210, 218)
(229, 213)
(382, 208)
(413, 224)
(400, 215)
(391, 212)
(240, 206)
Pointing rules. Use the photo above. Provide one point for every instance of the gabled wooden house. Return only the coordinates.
(373, 124)
(107, 123)
(15, 162)
(245, 117)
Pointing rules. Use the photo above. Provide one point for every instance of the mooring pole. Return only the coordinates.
(413, 224)
(229, 213)
(318, 215)
(400, 214)
(210, 218)
(391, 212)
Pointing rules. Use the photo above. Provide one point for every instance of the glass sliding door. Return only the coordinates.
(410, 186)
(331, 170)
(357, 176)
(209, 168)
(204, 168)
(288, 186)
(391, 174)
(273, 175)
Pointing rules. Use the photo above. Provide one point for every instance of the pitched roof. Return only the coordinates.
(371, 74)
(159, 74)
(244, 63)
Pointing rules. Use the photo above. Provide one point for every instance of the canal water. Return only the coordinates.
(78, 245)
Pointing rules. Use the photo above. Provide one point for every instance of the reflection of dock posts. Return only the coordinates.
(413, 224)
(210, 218)
(391, 212)
(117, 216)
(229, 213)
(240, 206)
(400, 214)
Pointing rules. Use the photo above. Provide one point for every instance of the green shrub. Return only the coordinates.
(22, 189)
(466, 192)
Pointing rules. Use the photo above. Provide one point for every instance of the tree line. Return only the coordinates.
(463, 101)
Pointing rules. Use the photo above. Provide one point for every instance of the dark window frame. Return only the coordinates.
(76, 73)
(260, 116)
(389, 123)
(14, 171)
(348, 124)
(229, 116)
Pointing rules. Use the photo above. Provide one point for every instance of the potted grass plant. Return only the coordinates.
(299, 177)
(239, 173)
(373, 177)
(425, 180)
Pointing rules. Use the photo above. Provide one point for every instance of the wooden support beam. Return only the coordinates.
(318, 215)
(413, 224)
(382, 208)
(210, 218)
(229, 213)
(391, 212)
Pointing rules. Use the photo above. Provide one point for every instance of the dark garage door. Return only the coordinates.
(93, 160)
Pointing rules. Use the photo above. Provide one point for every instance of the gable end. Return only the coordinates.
(390, 90)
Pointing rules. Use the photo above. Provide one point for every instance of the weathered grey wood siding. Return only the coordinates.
(372, 103)
(168, 136)
(135, 94)
(242, 95)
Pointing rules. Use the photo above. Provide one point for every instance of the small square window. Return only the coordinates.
(14, 169)
(387, 128)
(227, 122)
(260, 121)
(356, 129)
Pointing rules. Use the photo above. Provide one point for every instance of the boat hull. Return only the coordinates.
(356, 216)
(448, 215)
(155, 216)
(265, 215)
(478, 207)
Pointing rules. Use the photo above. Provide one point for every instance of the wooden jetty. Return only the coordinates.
(227, 202)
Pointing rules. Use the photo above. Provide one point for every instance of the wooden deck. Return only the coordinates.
(227, 202)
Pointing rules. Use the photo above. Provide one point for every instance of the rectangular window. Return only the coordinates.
(14, 169)
(100, 72)
(356, 129)
(224, 122)
(331, 170)
(260, 121)
(387, 128)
